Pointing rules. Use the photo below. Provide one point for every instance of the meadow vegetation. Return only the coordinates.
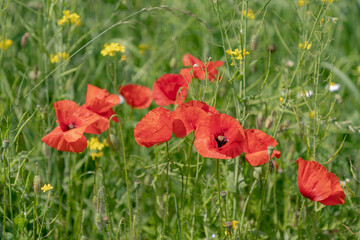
(290, 69)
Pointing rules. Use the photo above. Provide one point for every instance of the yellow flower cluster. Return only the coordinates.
(5, 43)
(97, 147)
(67, 18)
(231, 226)
(46, 187)
(110, 49)
(55, 58)
(327, 1)
(142, 48)
(250, 14)
(358, 69)
(305, 46)
(237, 54)
(301, 3)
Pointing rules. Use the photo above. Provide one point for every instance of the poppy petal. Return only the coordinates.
(154, 128)
(189, 61)
(56, 139)
(136, 96)
(257, 158)
(170, 89)
(185, 120)
(313, 180)
(100, 100)
(220, 125)
(337, 195)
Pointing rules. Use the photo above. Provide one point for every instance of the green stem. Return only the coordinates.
(300, 219)
(262, 200)
(167, 188)
(69, 198)
(219, 189)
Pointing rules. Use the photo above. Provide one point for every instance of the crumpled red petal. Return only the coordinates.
(213, 126)
(99, 100)
(256, 148)
(198, 70)
(170, 89)
(57, 139)
(136, 96)
(188, 115)
(337, 195)
(154, 128)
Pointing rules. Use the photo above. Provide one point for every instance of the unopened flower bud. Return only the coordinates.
(24, 39)
(37, 183)
(137, 184)
(269, 121)
(223, 195)
(259, 120)
(5, 144)
(114, 143)
(253, 43)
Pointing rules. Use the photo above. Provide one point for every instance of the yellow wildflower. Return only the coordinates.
(301, 3)
(67, 18)
(46, 187)
(232, 64)
(250, 14)
(312, 114)
(305, 46)
(234, 224)
(96, 154)
(282, 100)
(109, 49)
(123, 58)
(94, 144)
(358, 69)
(142, 48)
(5, 43)
(237, 54)
(327, 1)
(55, 58)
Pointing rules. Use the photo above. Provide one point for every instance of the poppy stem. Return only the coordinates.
(262, 199)
(125, 169)
(188, 172)
(219, 189)
(68, 201)
(300, 219)
(167, 188)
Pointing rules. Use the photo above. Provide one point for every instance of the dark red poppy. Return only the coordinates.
(219, 136)
(101, 102)
(188, 115)
(154, 128)
(136, 96)
(256, 150)
(73, 121)
(170, 89)
(317, 184)
(199, 70)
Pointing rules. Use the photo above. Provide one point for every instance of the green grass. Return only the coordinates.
(169, 191)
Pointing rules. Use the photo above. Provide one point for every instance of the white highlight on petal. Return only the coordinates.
(122, 99)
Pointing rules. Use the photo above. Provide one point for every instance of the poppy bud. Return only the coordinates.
(5, 144)
(137, 184)
(223, 195)
(24, 39)
(269, 121)
(37, 183)
(259, 120)
(272, 48)
(114, 143)
(172, 62)
(101, 200)
(253, 43)
(99, 222)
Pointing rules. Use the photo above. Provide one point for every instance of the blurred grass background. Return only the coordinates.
(156, 34)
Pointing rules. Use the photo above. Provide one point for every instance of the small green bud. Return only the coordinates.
(137, 184)
(5, 144)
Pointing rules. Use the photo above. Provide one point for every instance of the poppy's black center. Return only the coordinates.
(71, 126)
(221, 140)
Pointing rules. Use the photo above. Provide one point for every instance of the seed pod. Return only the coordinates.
(253, 43)
(101, 201)
(24, 39)
(269, 121)
(272, 48)
(37, 183)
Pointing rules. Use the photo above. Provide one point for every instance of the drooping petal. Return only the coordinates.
(228, 128)
(154, 128)
(56, 139)
(170, 89)
(100, 100)
(313, 180)
(257, 158)
(337, 195)
(136, 96)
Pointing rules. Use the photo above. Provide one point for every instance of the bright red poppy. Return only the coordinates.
(170, 89)
(136, 96)
(319, 185)
(198, 70)
(256, 150)
(101, 102)
(73, 121)
(219, 136)
(154, 128)
(188, 115)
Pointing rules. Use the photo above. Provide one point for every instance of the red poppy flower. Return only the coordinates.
(170, 89)
(198, 68)
(100, 101)
(317, 184)
(256, 150)
(219, 136)
(73, 121)
(136, 96)
(188, 115)
(154, 128)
